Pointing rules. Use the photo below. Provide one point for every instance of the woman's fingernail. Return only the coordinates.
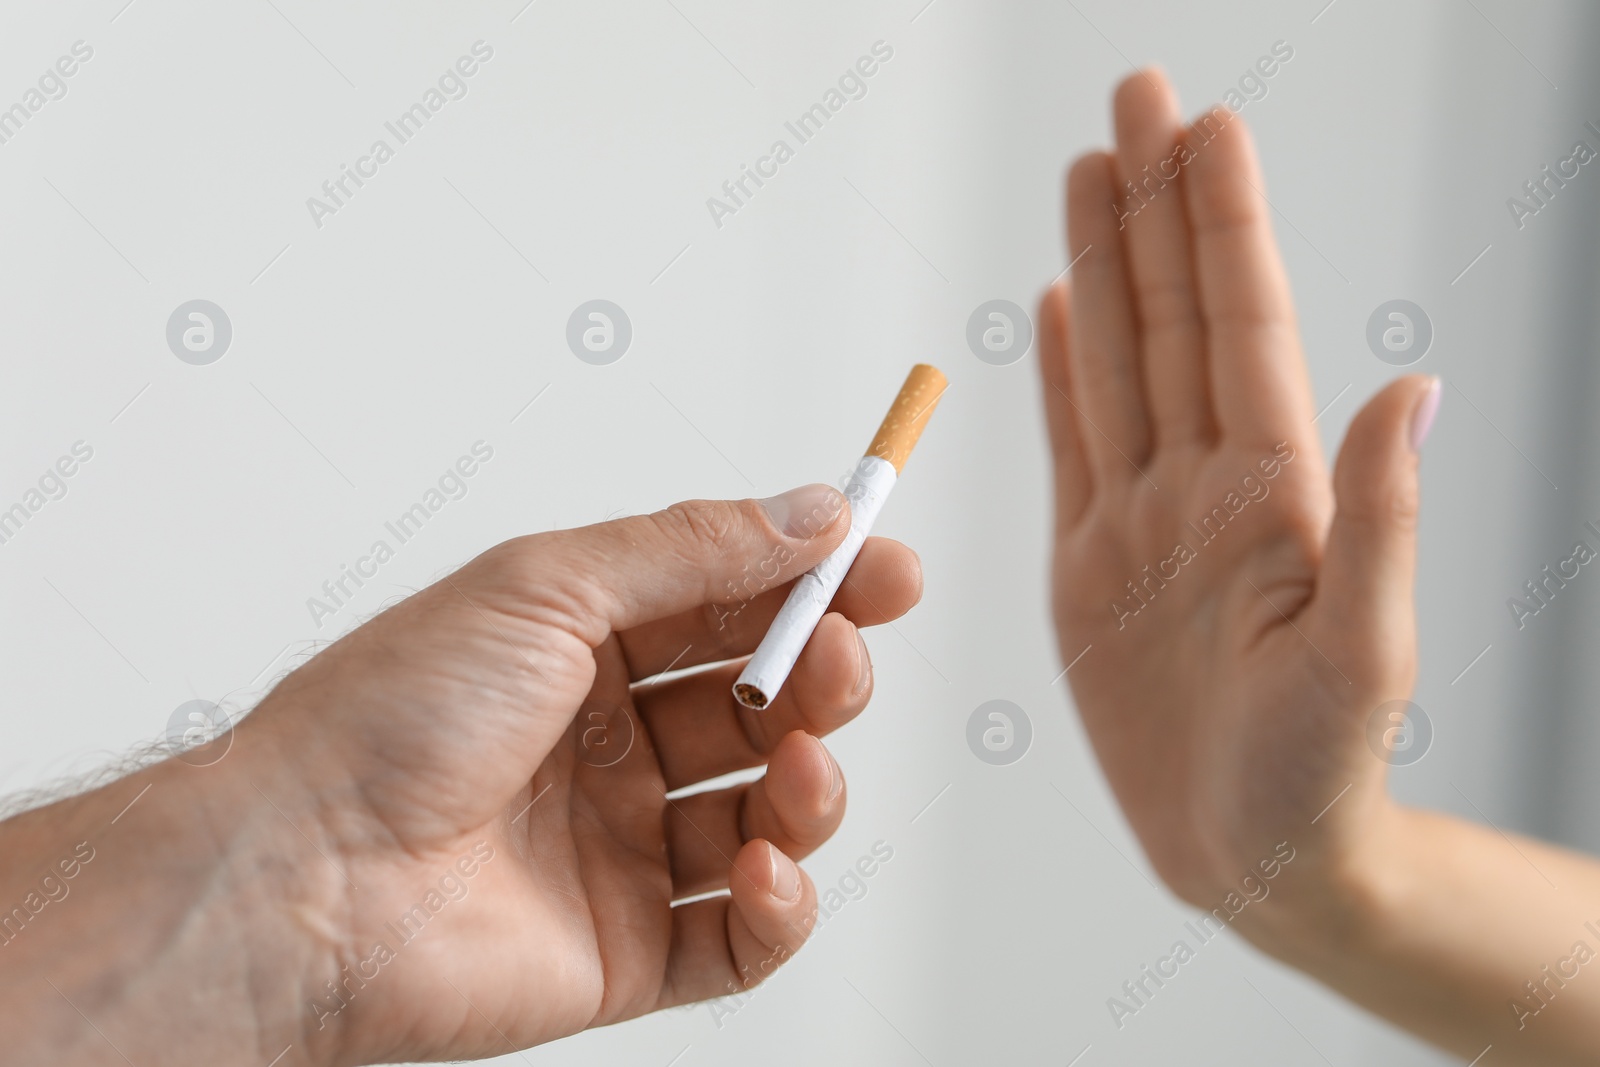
(1422, 417)
(806, 511)
(785, 875)
(863, 666)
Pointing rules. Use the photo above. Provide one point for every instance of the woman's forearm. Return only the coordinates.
(1463, 935)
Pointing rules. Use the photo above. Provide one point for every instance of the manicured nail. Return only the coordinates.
(785, 875)
(863, 666)
(806, 511)
(1422, 417)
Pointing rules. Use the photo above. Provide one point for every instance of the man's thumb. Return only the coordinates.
(1364, 595)
(646, 567)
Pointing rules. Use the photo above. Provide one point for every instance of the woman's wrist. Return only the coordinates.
(1337, 905)
(203, 895)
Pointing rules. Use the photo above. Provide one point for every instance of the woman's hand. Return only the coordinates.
(1242, 620)
(1243, 616)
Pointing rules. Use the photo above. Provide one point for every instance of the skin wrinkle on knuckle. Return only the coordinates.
(1401, 515)
(1405, 504)
(697, 528)
(1274, 329)
(1176, 289)
(1101, 369)
(562, 612)
(1223, 213)
(1184, 325)
(557, 580)
(522, 566)
(513, 561)
(538, 605)
(1373, 511)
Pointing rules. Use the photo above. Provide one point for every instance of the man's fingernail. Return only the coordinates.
(1422, 417)
(805, 512)
(836, 784)
(785, 875)
(863, 665)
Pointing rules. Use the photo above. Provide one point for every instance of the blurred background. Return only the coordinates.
(348, 353)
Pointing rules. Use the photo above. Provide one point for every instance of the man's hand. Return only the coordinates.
(460, 841)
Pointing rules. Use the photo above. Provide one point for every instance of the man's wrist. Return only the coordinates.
(200, 906)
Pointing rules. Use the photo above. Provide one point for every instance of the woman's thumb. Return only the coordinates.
(1364, 603)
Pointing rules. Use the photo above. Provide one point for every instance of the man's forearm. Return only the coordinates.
(170, 917)
(1465, 936)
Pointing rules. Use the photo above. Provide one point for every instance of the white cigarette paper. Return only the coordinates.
(813, 591)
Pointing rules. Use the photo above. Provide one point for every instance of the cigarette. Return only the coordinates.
(869, 486)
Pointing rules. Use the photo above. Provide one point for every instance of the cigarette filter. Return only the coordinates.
(869, 486)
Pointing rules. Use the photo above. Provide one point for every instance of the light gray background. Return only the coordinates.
(369, 354)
